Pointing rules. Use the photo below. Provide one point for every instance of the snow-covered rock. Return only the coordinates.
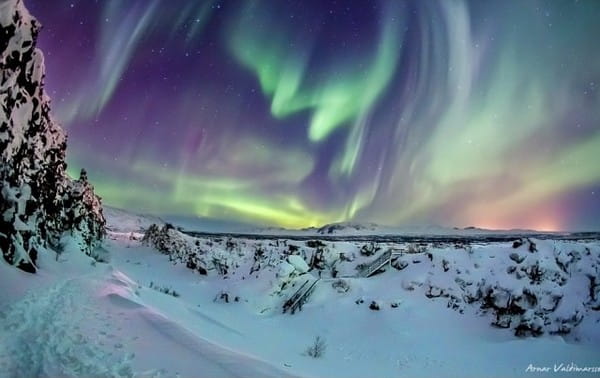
(177, 246)
(532, 288)
(168, 241)
(298, 263)
(38, 202)
(285, 271)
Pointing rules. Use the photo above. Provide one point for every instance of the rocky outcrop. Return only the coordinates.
(173, 243)
(167, 240)
(531, 288)
(39, 203)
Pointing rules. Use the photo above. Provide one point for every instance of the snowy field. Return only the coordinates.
(173, 305)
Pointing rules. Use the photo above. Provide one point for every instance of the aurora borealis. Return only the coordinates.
(300, 113)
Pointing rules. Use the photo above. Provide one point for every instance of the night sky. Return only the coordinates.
(300, 113)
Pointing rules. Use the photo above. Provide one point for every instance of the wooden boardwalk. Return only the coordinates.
(305, 290)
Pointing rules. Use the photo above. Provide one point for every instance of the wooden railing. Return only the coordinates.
(300, 296)
(288, 304)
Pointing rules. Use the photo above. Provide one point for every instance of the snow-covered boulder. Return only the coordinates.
(298, 263)
(285, 271)
(38, 202)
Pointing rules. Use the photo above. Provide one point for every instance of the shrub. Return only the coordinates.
(164, 289)
(416, 248)
(369, 249)
(341, 286)
(315, 244)
(317, 348)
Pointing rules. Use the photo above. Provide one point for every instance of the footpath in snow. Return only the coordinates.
(96, 324)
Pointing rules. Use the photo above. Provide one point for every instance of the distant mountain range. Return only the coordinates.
(210, 225)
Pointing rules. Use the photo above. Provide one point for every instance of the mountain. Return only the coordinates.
(358, 229)
(355, 228)
(347, 228)
(120, 220)
(39, 204)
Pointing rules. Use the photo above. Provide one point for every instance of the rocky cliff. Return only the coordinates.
(39, 203)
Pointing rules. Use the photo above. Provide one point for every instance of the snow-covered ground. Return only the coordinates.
(76, 317)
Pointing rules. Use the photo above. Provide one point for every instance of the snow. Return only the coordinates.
(298, 263)
(99, 322)
(123, 221)
(77, 317)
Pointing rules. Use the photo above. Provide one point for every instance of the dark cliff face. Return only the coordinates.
(38, 202)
